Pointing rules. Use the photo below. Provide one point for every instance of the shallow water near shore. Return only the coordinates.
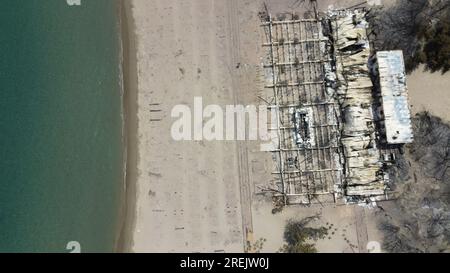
(61, 146)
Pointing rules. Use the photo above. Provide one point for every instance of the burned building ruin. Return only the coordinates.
(342, 108)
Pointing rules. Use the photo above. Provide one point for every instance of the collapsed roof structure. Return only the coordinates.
(364, 176)
(322, 75)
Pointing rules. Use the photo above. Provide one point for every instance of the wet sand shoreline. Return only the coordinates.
(129, 67)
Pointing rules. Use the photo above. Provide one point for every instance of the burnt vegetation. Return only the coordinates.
(420, 218)
(421, 28)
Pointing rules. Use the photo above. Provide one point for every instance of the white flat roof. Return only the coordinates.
(395, 97)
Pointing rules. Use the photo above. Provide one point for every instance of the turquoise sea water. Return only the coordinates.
(60, 125)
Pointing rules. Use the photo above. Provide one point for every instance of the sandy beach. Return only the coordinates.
(187, 193)
(200, 196)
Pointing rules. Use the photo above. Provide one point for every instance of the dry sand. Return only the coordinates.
(188, 193)
(351, 228)
(430, 92)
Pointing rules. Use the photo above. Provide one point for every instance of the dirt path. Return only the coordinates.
(241, 147)
(361, 228)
